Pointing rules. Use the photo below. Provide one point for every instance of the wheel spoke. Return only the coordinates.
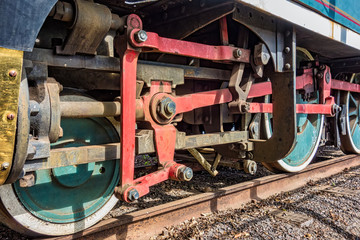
(353, 102)
(353, 112)
(353, 124)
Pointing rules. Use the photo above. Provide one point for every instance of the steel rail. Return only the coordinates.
(148, 222)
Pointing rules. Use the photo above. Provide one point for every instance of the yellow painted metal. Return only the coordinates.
(10, 77)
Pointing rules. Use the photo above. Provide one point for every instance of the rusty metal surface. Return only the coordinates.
(146, 223)
(107, 66)
(89, 109)
(204, 163)
(10, 77)
(284, 110)
(92, 22)
(144, 144)
(54, 90)
(75, 155)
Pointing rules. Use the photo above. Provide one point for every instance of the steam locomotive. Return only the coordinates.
(87, 86)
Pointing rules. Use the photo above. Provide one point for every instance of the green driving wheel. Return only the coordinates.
(67, 199)
(350, 143)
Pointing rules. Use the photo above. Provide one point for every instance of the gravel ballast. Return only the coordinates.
(325, 215)
(202, 182)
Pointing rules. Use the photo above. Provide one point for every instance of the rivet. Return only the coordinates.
(12, 73)
(10, 116)
(287, 50)
(287, 66)
(5, 166)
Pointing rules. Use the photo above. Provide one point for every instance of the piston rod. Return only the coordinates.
(95, 109)
(89, 109)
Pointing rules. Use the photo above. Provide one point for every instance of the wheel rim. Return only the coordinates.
(350, 143)
(72, 193)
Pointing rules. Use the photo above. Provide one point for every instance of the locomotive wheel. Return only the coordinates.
(68, 199)
(309, 128)
(350, 143)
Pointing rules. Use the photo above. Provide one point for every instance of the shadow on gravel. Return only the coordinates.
(309, 212)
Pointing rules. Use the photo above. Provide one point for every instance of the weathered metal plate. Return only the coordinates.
(298, 219)
(10, 77)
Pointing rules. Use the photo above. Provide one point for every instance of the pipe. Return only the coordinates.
(97, 109)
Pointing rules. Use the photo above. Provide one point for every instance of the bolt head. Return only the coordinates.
(5, 166)
(327, 77)
(250, 167)
(12, 73)
(166, 108)
(141, 36)
(133, 195)
(237, 53)
(185, 174)
(170, 107)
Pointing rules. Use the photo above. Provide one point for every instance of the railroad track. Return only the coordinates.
(148, 222)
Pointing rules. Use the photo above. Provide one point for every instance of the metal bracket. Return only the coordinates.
(284, 110)
(92, 23)
(268, 29)
(206, 165)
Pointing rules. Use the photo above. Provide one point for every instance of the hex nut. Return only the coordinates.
(166, 108)
(237, 53)
(133, 195)
(140, 36)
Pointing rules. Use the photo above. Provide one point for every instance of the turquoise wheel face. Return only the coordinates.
(350, 142)
(72, 193)
(308, 131)
(353, 118)
(309, 128)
